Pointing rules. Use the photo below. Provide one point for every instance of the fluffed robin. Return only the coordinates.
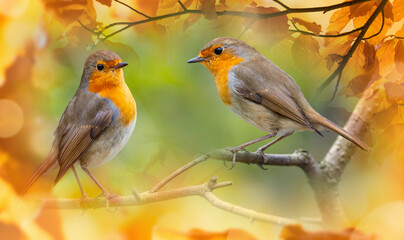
(261, 93)
(96, 123)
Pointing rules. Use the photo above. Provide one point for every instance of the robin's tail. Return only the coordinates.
(48, 164)
(334, 127)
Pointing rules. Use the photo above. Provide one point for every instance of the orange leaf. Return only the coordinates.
(395, 92)
(364, 58)
(305, 52)
(359, 83)
(208, 9)
(69, 11)
(311, 26)
(377, 24)
(399, 57)
(339, 45)
(362, 9)
(105, 2)
(398, 10)
(331, 59)
(296, 232)
(385, 54)
(199, 234)
(339, 20)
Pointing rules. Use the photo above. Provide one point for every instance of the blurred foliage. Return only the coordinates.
(44, 44)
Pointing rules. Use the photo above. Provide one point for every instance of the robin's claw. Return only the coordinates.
(234, 150)
(264, 157)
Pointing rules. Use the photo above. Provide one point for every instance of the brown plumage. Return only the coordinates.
(94, 127)
(261, 93)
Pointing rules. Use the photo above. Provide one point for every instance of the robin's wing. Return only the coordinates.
(80, 132)
(265, 84)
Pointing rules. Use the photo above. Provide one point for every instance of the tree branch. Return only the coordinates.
(131, 8)
(349, 54)
(323, 35)
(252, 15)
(203, 190)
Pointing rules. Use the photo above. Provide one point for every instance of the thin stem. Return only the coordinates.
(346, 58)
(131, 8)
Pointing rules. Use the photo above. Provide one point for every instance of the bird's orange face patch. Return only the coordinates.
(109, 83)
(219, 66)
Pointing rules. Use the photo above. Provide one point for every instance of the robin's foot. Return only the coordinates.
(264, 157)
(234, 150)
(84, 200)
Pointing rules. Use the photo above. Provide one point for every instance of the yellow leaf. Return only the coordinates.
(339, 20)
(105, 2)
(399, 57)
(385, 54)
(311, 26)
(398, 10)
(208, 9)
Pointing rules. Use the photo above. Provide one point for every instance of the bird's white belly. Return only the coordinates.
(108, 145)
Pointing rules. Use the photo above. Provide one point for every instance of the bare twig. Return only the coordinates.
(282, 4)
(182, 5)
(378, 32)
(178, 172)
(350, 52)
(131, 8)
(323, 35)
(252, 15)
(203, 190)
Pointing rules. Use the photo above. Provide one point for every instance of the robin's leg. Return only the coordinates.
(83, 193)
(235, 150)
(105, 192)
(263, 148)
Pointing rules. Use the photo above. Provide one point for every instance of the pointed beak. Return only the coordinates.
(121, 65)
(196, 59)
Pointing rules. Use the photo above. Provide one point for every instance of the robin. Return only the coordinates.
(261, 93)
(96, 123)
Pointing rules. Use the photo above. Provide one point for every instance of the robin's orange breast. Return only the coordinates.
(220, 71)
(120, 95)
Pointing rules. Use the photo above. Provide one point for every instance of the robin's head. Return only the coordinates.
(103, 69)
(221, 52)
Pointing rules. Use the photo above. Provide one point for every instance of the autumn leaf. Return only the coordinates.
(358, 85)
(311, 26)
(208, 9)
(105, 2)
(399, 56)
(69, 11)
(339, 20)
(339, 45)
(378, 28)
(362, 9)
(305, 52)
(394, 92)
(199, 234)
(364, 58)
(331, 59)
(296, 232)
(398, 10)
(385, 54)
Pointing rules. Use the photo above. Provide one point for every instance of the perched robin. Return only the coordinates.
(97, 122)
(261, 93)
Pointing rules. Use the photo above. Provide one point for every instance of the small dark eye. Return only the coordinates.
(218, 50)
(100, 67)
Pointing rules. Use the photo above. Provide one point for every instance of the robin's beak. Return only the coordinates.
(121, 65)
(196, 59)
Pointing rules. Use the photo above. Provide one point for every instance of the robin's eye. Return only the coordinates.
(218, 50)
(100, 67)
